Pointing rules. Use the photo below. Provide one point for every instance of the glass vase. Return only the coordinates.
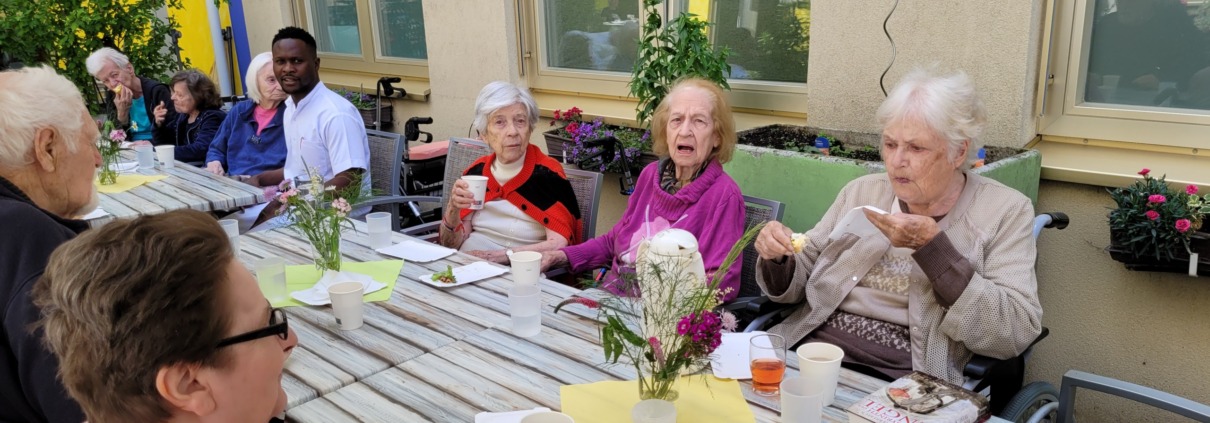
(109, 169)
(657, 387)
(325, 252)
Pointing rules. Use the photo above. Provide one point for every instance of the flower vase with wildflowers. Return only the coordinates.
(673, 330)
(110, 147)
(1152, 219)
(320, 213)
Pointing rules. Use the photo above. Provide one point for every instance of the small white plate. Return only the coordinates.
(473, 272)
(416, 251)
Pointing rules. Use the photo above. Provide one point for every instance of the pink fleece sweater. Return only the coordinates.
(711, 208)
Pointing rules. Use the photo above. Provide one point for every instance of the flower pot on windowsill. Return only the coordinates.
(369, 115)
(1199, 242)
(558, 146)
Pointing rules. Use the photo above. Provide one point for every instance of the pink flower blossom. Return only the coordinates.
(657, 350)
(729, 321)
(1145, 171)
(117, 135)
(1156, 199)
(1191, 189)
(1152, 214)
(1183, 225)
(590, 303)
(342, 207)
(285, 195)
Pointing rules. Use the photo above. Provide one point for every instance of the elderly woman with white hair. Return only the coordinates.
(948, 272)
(529, 204)
(251, 139)
(131, 99)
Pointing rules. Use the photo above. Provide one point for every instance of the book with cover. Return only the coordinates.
(920, 397)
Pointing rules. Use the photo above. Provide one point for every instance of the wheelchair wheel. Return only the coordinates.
(1031, 397)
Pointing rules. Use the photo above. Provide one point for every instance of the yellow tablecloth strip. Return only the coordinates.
(702, 399)
(304, 276)
(127, 182)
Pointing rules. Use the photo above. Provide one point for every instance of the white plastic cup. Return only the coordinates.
(547, 417)
(165, 154)
(526, 267)
(653, 411)
(231, 227)
(478, 186)
(525, 309)
(347, 304)
(271, 277)
(378, 227)
(801, 403)
(146, 156)
(819, 368)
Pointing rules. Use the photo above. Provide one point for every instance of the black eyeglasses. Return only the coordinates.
(277, 326)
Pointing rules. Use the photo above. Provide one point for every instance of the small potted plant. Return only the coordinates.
(1158, 228)
(566, 142)
(367, 105)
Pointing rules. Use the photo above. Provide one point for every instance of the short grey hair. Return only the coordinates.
(945, 103)
(497, 95)
(33, 99)
(250, 77)
(97, 59)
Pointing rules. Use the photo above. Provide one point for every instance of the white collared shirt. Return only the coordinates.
(325, 132)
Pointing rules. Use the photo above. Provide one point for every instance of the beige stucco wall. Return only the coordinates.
(1147, 328)
(264, 18)
(994, 41)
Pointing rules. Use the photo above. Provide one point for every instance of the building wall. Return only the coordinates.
(996, 42)
(264, 18)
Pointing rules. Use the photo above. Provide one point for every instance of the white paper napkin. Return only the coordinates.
(416, 251)
(473, 272)
(318, 295)
(856, 223)
(730, 359)
(506, 416)
(126, 166)
(99, 212)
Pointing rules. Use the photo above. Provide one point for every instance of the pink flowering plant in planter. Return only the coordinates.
(1155, 220)
(572, 127)
(664, 339)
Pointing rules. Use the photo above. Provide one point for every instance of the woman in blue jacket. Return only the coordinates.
(250, 140)
(198, 117)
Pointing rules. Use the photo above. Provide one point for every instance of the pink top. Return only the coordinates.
(262, 116)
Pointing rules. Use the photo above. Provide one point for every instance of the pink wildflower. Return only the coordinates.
(117, 135)
(657, 350)
(1145, 171)
(342, 207)
(1191, 189)
(729, 322)
(1183, 225)
(578, 300)
(1156, 199)
(285, 195)
(1152, 214)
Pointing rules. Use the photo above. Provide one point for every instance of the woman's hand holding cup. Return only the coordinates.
(461, 196)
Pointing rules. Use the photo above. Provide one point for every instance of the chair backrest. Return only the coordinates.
(386, 153)
(462, 153)
(587, 186)
(757, 210)
(1148, 396)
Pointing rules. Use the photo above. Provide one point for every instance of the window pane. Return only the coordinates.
(401, 29)
(768, 38)
(1150, 53)
(334, 25)
(591, 34)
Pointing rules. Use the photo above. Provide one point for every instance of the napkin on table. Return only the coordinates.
(318, 295)
(506, 416)
(730, 359)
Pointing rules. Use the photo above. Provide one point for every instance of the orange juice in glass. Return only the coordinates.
(767, 359)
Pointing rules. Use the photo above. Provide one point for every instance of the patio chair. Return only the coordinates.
(751, 303)
(587, 186)
(386, 149)
(1002, 377)
(462, 152)
(1046, 406)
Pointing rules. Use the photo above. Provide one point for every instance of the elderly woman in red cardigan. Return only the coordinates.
(529, 205)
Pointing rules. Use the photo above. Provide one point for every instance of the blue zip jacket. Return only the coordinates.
(240, 150)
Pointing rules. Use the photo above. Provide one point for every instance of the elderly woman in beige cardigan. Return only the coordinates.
(948, 272)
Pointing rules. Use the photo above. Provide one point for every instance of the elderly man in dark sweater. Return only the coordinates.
(48, 157)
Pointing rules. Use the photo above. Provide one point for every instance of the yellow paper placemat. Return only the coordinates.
(126, 182)
(702, 399)
(304, 276)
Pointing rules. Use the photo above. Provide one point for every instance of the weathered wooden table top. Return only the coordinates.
(186, 187)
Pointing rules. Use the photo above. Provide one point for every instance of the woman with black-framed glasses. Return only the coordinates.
(143, 336)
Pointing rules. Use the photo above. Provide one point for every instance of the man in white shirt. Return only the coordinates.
(323, 130)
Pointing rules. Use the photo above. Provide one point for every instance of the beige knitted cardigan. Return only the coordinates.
(998, 315)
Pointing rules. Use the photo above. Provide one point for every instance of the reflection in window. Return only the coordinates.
(1149, 53)
(334, 26)
(592, 35)
(401, 29)
(768, 38)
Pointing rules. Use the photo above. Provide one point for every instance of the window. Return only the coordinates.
(590, 46)
(1135, 71)
(382, 37)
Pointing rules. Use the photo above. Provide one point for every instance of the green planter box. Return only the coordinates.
(807, 183)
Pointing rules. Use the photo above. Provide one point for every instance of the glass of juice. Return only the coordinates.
(767, 355)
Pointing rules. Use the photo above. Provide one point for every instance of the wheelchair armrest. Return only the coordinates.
(981, 366)
(756, 305)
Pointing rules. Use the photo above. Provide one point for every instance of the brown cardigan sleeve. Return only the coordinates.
(948, 269)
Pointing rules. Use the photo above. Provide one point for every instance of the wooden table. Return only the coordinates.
(187, 187)
(446, 354)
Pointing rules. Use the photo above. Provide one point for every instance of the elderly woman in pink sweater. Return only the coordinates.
(694, 132)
